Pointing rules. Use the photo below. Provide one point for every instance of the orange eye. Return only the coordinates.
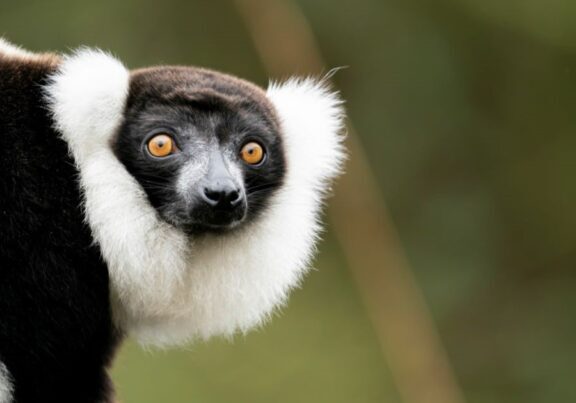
(161, 145)
(252, 153)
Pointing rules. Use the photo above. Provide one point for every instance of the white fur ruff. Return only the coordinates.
(166, 287)
(5, 385)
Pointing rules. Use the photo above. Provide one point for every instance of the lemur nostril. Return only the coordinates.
(235, 198)
(213, 195)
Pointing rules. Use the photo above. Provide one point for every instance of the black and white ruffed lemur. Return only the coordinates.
(168, 204)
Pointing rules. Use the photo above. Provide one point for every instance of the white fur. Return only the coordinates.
(8, 49)
(6, 388)
(166, 287)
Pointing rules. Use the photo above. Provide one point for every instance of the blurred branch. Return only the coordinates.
(395, 304)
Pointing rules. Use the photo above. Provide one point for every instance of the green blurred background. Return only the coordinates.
(467, 111)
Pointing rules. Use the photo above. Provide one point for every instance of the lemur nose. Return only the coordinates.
(222, 193)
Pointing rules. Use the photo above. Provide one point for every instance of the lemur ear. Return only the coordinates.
(86, 96)
(312, 123)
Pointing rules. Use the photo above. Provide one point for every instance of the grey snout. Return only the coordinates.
(219, 190)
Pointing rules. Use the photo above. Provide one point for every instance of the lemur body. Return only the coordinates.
(56, 332)
(168, 204)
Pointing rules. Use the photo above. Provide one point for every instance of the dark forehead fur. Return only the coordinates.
(198, 86)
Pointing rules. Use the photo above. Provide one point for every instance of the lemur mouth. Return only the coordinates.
(202, 229)
(216, 225)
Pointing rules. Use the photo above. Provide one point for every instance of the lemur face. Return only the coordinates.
(204, 146)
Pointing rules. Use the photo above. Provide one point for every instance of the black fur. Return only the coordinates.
(56, 332)
(204, 111)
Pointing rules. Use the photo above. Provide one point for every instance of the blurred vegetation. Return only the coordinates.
(467, 111)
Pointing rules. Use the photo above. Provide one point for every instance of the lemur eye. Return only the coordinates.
(161, 145)
(252, 153)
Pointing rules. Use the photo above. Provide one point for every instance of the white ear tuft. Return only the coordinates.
(312, 121)
(87, 96)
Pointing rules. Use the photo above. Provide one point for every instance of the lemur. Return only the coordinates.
(167, 204)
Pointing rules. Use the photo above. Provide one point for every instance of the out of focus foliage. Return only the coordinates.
(468, 111)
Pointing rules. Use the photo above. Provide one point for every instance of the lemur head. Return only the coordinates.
(202, 190)
(206, 147)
